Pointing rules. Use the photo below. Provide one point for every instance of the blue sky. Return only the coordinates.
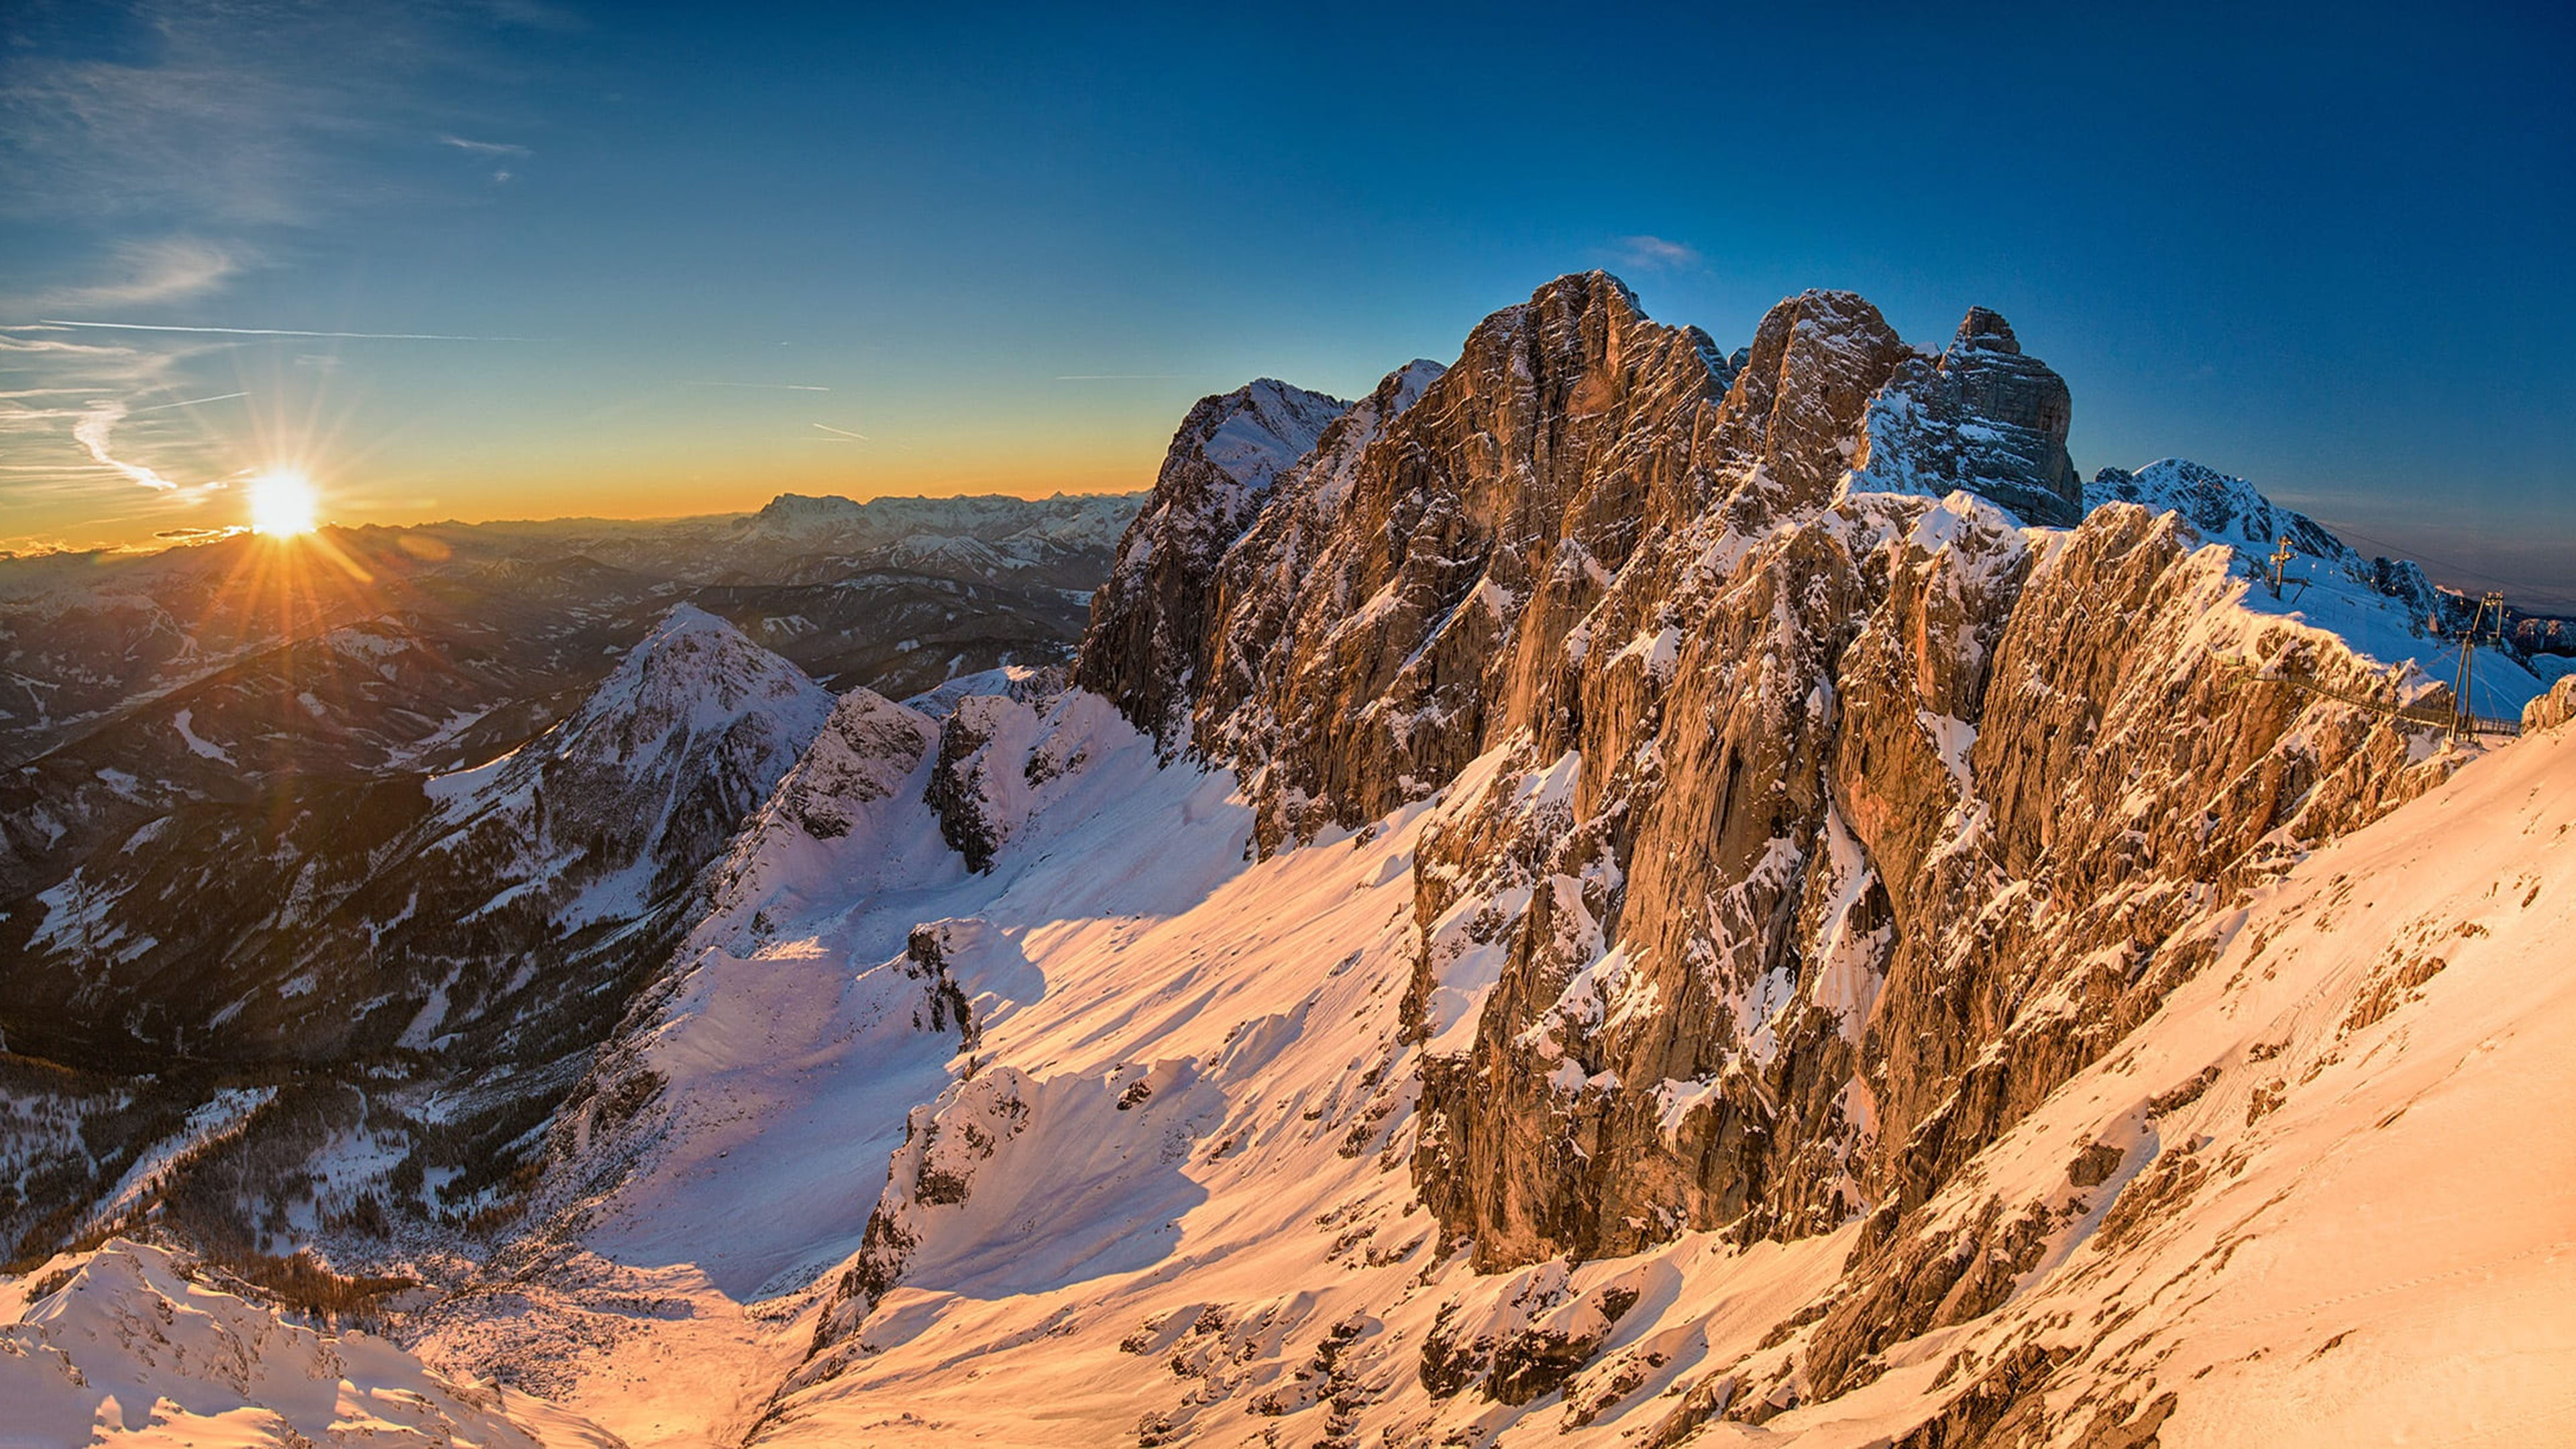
(669, 260)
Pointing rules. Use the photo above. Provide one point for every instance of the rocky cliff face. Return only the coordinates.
(1982, 416)
(1797, 831)
(2553, 709)
(1144, 646)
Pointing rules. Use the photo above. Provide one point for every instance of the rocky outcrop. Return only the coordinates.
(1489, 512)
(1800, 830)
(2553, 709)
(1982, 416)
(1147, 640)
(663, 762)
(1258, 581)
(866, 749)
(997, 753)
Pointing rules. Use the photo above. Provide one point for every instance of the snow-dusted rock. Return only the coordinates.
(1982, 416)
(2220, 508)
(660, 764)
(138, 1345)
(1146, 621)
(1821, 745)
(2553, 709)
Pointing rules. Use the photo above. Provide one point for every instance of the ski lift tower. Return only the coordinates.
(2463, 716)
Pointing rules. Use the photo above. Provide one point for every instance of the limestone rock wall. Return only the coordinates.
(1798, 828)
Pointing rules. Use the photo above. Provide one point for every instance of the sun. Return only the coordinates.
(282, 502)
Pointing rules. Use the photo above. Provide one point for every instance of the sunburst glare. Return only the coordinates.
(282, 503)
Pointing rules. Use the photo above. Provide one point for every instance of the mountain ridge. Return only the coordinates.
(1598, 899)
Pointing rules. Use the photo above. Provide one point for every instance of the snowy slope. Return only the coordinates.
(2327, 1211)
(1171, 1192)
(2379, 610)
(136, 1347)
(2452, 1313)
(620, 802)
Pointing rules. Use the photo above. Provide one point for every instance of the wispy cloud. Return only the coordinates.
(770, 386)
(142, 273)
(165, 171)
(485, 148)
(94, 433)
(284, 332)
(1656, 254)
(72, 436)
(244, 115)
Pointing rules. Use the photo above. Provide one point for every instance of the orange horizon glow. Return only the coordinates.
(660, 488)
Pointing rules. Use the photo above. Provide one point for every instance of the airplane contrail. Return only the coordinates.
(771, 386)
(282, 332)
(186, 403)
(844, 432)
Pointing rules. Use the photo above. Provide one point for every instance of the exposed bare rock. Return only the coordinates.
(1982, 416)
(2553, 709)
(1794, 412)
(1258, 586)
(1473, 533)
(966, 738)
(996, 751)
(1528, 1342)
(1815, 830)
(1147, 642)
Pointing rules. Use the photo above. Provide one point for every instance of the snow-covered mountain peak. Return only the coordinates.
(1068, 520)
(693, 675)
(1262, 427)
(1215, 479)
(2222, 509)
(1410, 381)
(612, 809)
(804, 509)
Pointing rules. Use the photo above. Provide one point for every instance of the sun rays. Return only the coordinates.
(282, 503)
